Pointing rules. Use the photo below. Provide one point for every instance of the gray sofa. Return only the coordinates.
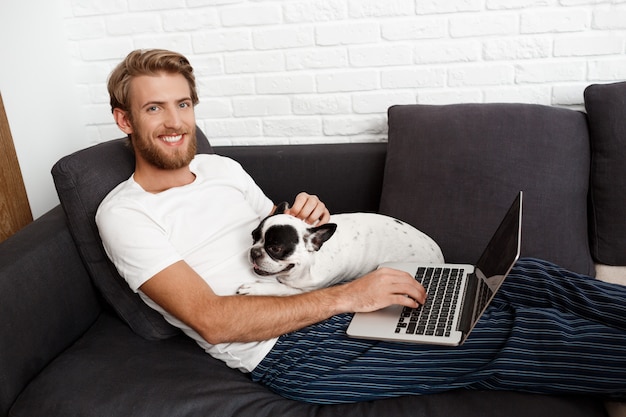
(76, 342)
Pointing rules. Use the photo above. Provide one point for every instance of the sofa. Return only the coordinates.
(77, 342)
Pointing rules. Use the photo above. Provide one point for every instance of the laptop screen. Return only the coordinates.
(500, 254)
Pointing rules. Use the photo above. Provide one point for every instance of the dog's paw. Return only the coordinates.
(247, 289)
(266, 288)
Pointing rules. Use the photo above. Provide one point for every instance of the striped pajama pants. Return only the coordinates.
(547, 331)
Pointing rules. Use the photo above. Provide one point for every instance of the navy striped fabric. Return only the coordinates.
(547, 331)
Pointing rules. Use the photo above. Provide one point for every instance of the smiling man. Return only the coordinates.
(178, 229)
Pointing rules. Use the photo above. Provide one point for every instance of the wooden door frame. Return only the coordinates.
(15, 211)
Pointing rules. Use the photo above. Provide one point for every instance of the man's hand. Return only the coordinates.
(310, 209)
(379, 289)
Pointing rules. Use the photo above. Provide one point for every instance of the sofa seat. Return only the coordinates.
(112, 370)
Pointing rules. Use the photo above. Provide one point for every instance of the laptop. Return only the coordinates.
(452, 310)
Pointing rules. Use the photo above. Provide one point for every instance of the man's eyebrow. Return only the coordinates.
(152, 103)
(160, 103)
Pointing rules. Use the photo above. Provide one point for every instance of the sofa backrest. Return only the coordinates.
(346, 176)
(48, 301)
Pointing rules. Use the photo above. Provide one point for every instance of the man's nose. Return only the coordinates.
(172, 118)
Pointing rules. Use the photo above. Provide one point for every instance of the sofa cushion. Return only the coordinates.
(82, 180)
(453, 170)
(606, 111)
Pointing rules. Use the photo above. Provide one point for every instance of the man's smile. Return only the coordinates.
(171, 139)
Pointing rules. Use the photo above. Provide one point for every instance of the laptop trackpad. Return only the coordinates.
(384, 321)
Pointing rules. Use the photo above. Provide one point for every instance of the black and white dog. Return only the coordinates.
(292, 256)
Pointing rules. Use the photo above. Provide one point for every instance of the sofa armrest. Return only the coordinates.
(347, 177)
(47, 301)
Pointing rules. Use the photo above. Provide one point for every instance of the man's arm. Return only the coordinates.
(221, 319)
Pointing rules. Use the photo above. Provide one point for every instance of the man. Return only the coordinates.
(178, 231)
(156, 111)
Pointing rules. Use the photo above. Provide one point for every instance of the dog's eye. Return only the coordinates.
(274, 250)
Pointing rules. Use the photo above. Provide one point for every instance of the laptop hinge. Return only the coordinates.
(467, 308)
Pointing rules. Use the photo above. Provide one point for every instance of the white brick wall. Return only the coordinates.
(305, 71)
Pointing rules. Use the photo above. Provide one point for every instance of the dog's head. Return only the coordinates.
(284, 246)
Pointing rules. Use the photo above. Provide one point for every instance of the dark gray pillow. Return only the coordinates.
(453, 170)
(606, 110)
(82, 180)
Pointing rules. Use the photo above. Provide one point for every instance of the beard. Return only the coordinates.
(155, 156)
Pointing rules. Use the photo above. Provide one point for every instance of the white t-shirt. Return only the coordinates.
(207, 223)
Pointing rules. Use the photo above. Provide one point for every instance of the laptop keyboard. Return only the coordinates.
(434, 318)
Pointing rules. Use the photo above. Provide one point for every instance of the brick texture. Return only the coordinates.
(304, 71)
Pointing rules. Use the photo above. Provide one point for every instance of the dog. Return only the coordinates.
(291, 256)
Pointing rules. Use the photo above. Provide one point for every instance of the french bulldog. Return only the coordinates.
(291, 256)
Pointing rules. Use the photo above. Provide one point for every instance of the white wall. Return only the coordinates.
(291, 71)
(39, 93)
(294, 71)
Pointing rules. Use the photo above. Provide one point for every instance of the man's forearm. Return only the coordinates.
(253, 318)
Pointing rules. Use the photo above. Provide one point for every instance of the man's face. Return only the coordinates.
(162, 120)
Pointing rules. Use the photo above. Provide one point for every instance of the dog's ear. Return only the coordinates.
(281, 208)
(316, 236)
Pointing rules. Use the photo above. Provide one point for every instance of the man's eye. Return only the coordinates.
(184, 105)
(153, 108)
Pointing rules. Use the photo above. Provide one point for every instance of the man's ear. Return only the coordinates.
(122, 120)
(316, 236)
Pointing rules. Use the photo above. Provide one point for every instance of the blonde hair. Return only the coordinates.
(147, 62)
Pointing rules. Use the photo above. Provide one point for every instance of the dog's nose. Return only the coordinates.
(255, 253)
